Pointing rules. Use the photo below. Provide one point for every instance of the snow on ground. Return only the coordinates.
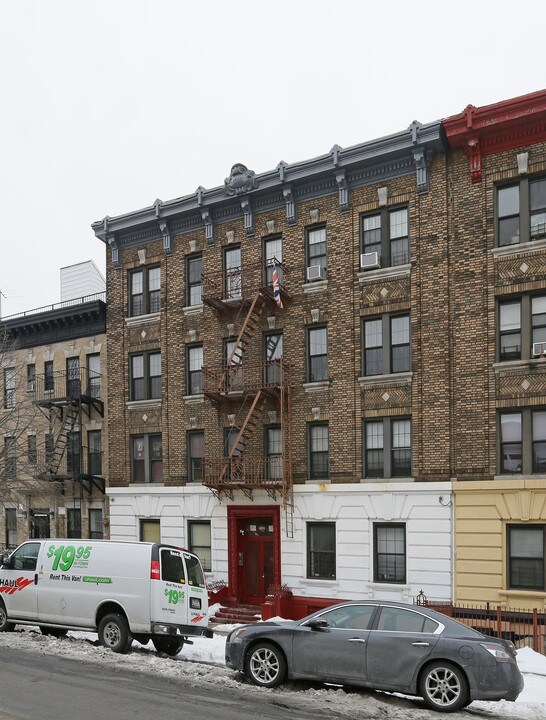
(203, 663)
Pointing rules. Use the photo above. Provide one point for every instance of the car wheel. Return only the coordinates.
(5, 625)
(168, 646)
(265, 665)
(444, 687)
(53, 632)
(114, 633)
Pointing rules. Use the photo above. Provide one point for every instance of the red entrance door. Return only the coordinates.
(255, 558)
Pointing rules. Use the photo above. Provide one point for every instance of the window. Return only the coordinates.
(521, 212)
(144, 291)
(73, 380)
(232, 270)
(234, 374)
(10, 457)
(94, 452)
(26, 557)
(194, 280)
(321, 550)
(147, 459)
(274, 453)
(273, 353)
(96, 524)
(11, 527)
(349, 617)
(523, 441)
(9, 388)
(146, 376)
(150, 531)
(49, 447)
(31, 377)
(386, 233)
(49, 381)
(195, 369)
(200, 544)
(73, 523)
(272, 257)
(318, 452)
(387, 448)
(389, 553)
(31, 449)
(93, 375)
(73, 454)
(397, 619)
(526, 554)
(316, 249)
(196, 453)
(386, 345)
(318, 354)
(521, 323)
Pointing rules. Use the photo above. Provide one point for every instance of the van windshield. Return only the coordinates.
(195, 571)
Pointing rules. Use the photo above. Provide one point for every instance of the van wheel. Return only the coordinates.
(53, 632)
(168, 646)
(5, 625)
(114, 633)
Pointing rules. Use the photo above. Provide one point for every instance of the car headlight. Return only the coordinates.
(498, 652)
(235, 635)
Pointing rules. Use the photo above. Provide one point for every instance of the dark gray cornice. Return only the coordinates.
(339, 171)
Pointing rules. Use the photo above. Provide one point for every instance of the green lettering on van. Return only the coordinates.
(97, 580)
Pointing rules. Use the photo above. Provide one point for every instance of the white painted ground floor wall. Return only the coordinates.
(425, 508)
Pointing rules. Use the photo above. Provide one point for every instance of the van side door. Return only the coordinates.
(18, 582)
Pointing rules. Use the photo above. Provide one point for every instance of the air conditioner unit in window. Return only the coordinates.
(369, 261)
(315, 272)
(539, 349)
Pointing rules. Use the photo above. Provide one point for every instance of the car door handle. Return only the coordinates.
(421, 644)
(360, 640)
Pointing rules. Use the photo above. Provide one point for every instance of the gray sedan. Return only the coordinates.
(381, 645)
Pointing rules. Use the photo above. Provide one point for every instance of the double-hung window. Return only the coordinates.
(73, 523)
(49, 377)
(96, 531)
(273, 353)
(146, 459)
(389, 553)
(387, 448)
(31, 377)
(386, 233)
(318, 354)
(233, 278)
(316, 253)
(321, 550)
(32, 453)
(194, 363)
(200, 542)
(273, 441)
(522, 441)
(273, 256)
(94, 452)
(146, 376)
(10, 457)
(521, 212)
(93, 375)
(9, 388)
(196, 453)
(526, 557)
(386, 345)
(319, 458)
(144, 291)
(194, 280)
(11, 527)
(521, 327)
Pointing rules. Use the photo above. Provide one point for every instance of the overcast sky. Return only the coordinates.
(107, 105)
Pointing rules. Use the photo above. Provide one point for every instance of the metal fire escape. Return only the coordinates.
(246, 390)
(65, 397)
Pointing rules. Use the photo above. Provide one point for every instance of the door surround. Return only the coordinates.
(241, 512)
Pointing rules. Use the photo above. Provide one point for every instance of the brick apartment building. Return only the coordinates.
(304, 363)
(52, 417)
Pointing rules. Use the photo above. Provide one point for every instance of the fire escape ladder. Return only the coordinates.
(247, 330)
(61, 441)
(250, 422)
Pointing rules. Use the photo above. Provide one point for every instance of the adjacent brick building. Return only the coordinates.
(52, 417)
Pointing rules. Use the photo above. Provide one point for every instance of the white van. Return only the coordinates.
(122, 590)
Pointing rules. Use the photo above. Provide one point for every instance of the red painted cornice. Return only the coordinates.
(490, 129)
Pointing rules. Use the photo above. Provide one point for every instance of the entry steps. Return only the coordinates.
(240, 615)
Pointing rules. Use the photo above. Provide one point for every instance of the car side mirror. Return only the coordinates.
(5, 562)
(317, 624)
